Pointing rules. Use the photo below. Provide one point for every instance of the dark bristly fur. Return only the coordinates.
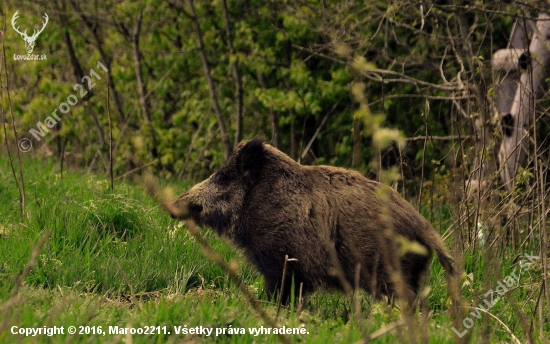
(272, 206)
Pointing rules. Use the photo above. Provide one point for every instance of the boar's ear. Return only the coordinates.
(251, 158)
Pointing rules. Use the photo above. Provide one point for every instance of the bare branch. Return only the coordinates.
(236, 72)
(208, 74)
(142, 91)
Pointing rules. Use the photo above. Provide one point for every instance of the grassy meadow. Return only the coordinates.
(114, 258)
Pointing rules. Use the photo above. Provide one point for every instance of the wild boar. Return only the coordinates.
(340, 226)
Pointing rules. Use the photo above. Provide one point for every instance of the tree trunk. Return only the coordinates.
(142, 91)
(228, 148)
(293, 143)
(356, 153)
(273, 118)
(106, 59)
(78, 74)
(237, 75)
(515, 144)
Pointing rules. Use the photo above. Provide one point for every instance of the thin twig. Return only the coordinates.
(281, 292)
(127, 280)
(386, 329)
(111, 175)
(376, 74)
(319, 129)
(63, 156)
(300, 299)
(506, 328)
(136, 169)
(441, 138)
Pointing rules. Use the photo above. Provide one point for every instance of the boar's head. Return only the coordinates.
(217, 201)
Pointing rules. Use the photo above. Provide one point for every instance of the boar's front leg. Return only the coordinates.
(272, 288)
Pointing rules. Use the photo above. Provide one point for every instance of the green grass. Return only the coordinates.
(116, 259)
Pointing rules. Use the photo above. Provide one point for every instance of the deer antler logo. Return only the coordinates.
(29, 40)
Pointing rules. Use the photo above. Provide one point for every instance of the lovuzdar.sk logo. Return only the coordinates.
(29, 40)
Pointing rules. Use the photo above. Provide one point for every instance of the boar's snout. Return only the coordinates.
(174, 215)
(179, 209)
(184, 208)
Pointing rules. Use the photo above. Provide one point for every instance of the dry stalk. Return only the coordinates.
(111, 175)
(127, 280)
(281, 292)
(506, 328)
(21, 181)
(386, 329)
(300, 299)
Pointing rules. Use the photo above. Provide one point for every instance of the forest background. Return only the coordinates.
(403, 91)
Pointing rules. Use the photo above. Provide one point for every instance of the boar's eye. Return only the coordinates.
(222, 179)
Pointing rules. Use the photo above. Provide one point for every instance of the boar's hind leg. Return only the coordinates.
(389, 291)
(413, 269)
